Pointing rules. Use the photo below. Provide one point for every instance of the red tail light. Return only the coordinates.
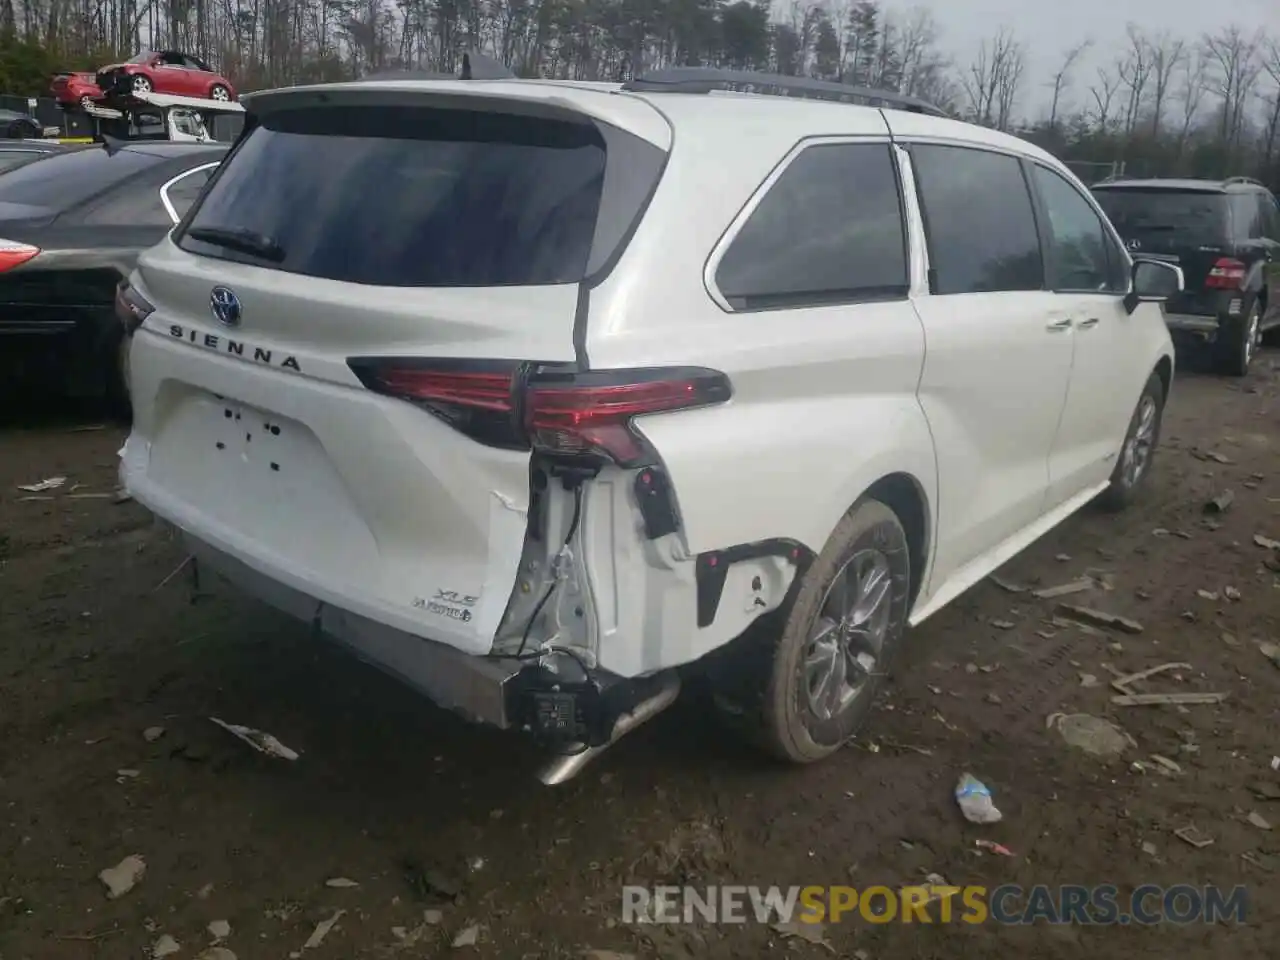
(1226, 274)
(14, 254)
(554, 410)
(475, 397)
(591, 413)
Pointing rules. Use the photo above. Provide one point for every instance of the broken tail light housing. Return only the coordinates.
(131, 307)
(592, 413)
(557, 411)
(1227, 273)
(14, 254)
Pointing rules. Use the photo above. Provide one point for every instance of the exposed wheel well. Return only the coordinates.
(1164, 370)
(901, 494)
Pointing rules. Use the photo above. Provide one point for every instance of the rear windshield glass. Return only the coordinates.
(62, 180)
(1172, 214)
(409, 197)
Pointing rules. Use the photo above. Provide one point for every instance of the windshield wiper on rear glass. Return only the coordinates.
(240, 239)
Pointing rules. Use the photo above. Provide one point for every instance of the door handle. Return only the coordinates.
(1088, 324)
(1058, 326)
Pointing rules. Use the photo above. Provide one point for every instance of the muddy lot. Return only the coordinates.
(423, 811)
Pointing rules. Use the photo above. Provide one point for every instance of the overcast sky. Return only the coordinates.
(1050, 27)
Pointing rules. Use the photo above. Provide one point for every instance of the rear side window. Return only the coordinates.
(978, 219)
(182, 193)
(410, 197)
(1084, 257)
(16, 158)
(1270, 216)
(830, 230)
(136, 204)
(1246, 216)
(63, 180)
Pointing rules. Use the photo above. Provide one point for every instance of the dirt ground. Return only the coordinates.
(97, 645)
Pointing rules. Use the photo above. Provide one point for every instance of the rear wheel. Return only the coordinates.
(141, 84)
(219, 92)
(1240, 343)
(1140, 441)
(803, 694)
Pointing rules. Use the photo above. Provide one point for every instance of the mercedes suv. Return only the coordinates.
(544, 395)
(1225, 236)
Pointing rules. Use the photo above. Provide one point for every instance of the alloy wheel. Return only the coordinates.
(847, 642)
(1141, 442)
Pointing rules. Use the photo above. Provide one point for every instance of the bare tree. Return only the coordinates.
(993, 81)
(1271, 134)
(1166, 56)
(1134, 69)
(1061, 79)
(1191, 93)
(1104, 95)
(915, 36)
(1009, 87)
(1235, 66)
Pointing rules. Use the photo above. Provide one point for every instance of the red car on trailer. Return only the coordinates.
(167, 71)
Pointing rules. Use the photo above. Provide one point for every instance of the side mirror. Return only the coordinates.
(1153, 281)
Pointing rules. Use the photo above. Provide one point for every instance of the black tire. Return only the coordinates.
(219, 88)
(1125, 485)
(140, 84)
(1239, 343)
(769, 698)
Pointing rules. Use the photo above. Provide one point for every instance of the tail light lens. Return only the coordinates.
(591, 413)
(561, 412)
(1226, 274)
(13, 254)
(131, 307)
(477, 398)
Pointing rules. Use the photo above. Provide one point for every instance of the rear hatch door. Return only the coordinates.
(1187, 227)
(373, 237)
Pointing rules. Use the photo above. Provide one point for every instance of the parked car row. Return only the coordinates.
(73, 220)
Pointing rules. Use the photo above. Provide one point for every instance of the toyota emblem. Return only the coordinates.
(225, 306)
(1134, 244)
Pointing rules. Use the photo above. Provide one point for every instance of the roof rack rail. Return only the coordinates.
(707, 79)
(1256, 183)
(475, 66)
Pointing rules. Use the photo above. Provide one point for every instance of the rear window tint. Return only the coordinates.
(412, 197)
(1196, 216)
(829, 231)
(63, 180)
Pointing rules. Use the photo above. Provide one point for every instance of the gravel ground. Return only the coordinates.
(423, 811)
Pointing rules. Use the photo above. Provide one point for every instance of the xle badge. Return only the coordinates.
(448, 603)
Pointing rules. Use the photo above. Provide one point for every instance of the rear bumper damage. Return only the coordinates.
(576, 710)
(476, 687)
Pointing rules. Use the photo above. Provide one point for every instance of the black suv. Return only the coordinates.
(1225, 235)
